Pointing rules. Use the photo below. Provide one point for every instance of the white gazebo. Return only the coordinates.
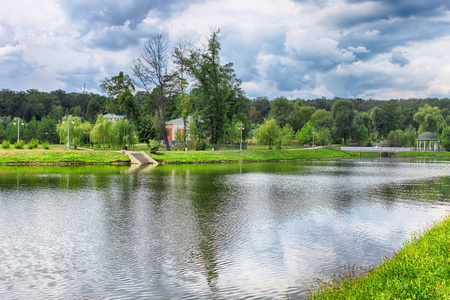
(427, 141)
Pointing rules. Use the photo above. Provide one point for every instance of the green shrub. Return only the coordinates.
(200, 145)
(19, 144)
(45, 145)
(153, 145)
(33, 144)
(6, 144)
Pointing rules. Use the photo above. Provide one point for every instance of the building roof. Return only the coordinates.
(178, 121)
(113, 116)
(427, 136)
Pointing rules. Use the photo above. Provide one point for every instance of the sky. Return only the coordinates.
(380, 49)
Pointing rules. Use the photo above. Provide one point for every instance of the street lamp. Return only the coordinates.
(68, 132)
(18, 128)
(313, 132)
(241, 127)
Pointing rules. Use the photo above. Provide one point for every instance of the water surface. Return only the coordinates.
(260, 230)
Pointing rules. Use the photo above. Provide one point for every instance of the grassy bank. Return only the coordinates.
(246, 155)
(421, 270)
(423, 154)
(36, 156)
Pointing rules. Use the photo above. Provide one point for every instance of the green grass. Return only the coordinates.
(58, 156)
(421, 270)
(423, 154)
(246, 155)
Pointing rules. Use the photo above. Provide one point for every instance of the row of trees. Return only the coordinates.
(292, 122)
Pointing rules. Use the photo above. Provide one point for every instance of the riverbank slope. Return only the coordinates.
(419, 271)
(223, 156)
(79, 157)
(55, 157)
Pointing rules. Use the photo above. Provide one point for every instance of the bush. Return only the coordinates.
(153, 145)
(33, 144)
(45, 145)
(19, 144)
(200, 145)
(6, 144)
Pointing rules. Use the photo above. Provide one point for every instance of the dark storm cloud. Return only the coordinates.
(383, 36)
(112, 24)
(388, 9)
(116, 13)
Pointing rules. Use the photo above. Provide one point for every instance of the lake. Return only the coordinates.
(254, 231)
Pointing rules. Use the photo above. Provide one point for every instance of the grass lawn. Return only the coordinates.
(245, 155)
(421, 270)
(13, 156)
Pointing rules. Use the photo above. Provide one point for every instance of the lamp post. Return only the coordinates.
(18, 128)
(241, 127)
(313, 132)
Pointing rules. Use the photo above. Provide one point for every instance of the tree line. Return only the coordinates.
(183, 81)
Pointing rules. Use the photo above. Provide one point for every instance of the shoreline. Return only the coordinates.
(417, 271)
(114, 158)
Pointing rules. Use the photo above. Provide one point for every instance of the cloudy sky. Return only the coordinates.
(378, 49)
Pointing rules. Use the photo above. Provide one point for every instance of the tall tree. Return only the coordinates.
(119, 89)
(387, 118)
(268, 133)
(280, 108)
(218, 94)
(343, 114)
(152, 71)
(181, 56)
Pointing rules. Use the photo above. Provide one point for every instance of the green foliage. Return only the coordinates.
(33, 144)
(429, 119)
(268, 133)
(146, 130)
(280, 108)
(300, 115)
(46, 145)
(445, 138)
(19, 144)
(361, 136)
(101, 133)
(47, 130)
(305, 136)
(6, 144)
(322, 118)
(397, 138)
(201, 145)
(218, 97)
(323, 136)
(119, 89)
(259, 110)
(123, 134)
(343, 115)
(153, 146)
(287, 135)
(387, 118)
(75, 132)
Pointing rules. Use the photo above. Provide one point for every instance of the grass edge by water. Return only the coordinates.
(420, 270)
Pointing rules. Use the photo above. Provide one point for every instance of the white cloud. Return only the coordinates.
(299, 49)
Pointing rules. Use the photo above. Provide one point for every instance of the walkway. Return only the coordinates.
(140, 158)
